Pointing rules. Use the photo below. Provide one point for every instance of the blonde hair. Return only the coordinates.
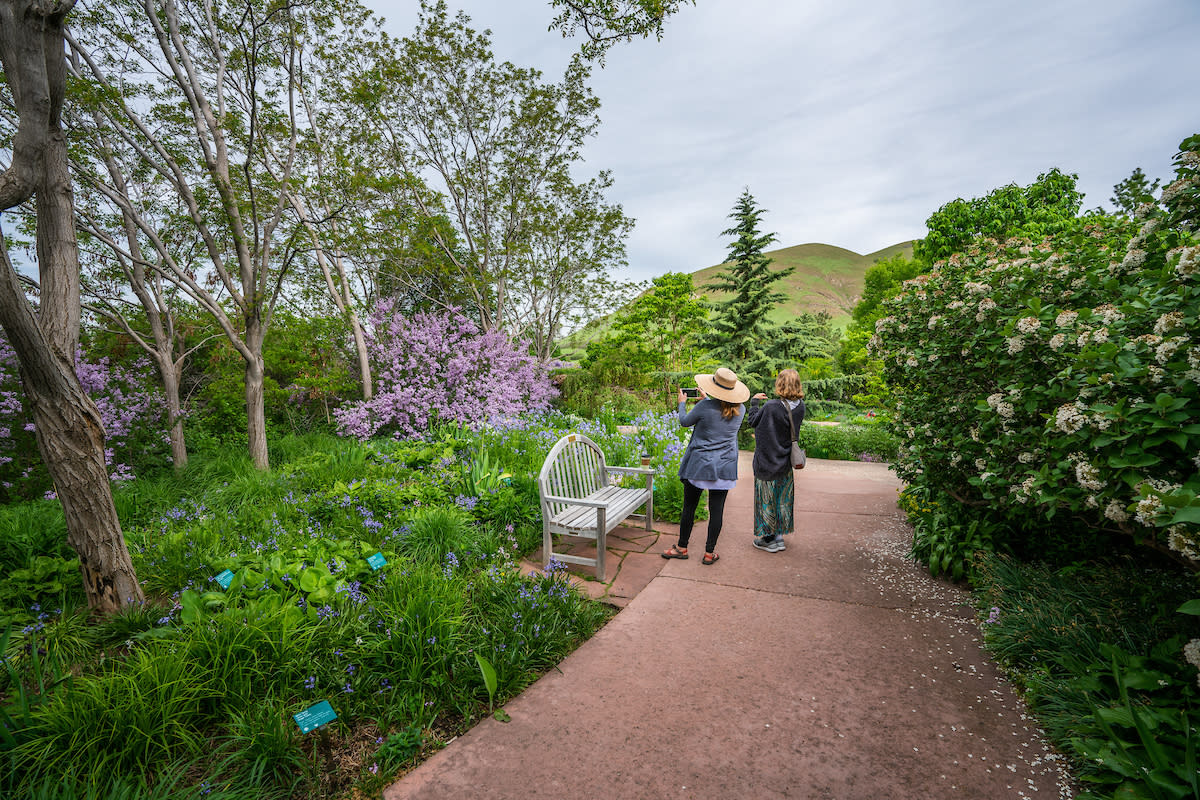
(788, 386)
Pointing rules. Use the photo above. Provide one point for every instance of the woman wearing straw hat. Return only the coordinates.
(711, 459)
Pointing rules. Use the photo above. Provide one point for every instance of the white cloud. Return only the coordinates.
(852, 122)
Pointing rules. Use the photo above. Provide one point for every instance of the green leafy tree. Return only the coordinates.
(881, 281)
(740, 330)
(805, 337)
(607, 22)
(489, 146)
(1045, 207)
(671, 314)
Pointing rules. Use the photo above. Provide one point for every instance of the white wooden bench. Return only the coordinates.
(579, 498)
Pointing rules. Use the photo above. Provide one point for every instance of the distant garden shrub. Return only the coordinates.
(441, 367)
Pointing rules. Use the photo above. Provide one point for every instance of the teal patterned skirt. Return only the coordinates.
(773, 506)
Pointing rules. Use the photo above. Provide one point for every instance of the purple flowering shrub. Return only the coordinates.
(131, 410)
(436, 367)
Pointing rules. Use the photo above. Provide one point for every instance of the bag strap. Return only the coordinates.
(791, 424)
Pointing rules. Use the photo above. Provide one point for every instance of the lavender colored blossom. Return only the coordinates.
(434, 367)
(128, 405)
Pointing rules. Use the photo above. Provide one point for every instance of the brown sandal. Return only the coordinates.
(709, 559)
(675, 552)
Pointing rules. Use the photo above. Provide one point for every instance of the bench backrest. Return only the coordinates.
(574, 468)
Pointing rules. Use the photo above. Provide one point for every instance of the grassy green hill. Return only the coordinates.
(826, 278)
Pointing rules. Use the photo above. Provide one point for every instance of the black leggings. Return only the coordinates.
(716, 512)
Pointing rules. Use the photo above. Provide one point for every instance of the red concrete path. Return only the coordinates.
(836, 669)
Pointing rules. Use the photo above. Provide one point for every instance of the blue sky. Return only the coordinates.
(851, 122)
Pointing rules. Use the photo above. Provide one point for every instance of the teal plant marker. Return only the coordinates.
(225, 578)
(314, 717)
(376, 561)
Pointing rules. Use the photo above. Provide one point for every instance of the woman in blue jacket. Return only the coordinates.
(711, 459)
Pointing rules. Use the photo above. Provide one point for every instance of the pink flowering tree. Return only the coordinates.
(131, 412)
(435, 367)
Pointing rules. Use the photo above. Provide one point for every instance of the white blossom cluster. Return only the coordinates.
(1070, 418)
(1023, 492)
(1116, 512)
(1164, 352)
(1098, 336)
(1168, 322)
(1014, 344)
(1178, 540)
(1147, 509)
(1028, 324)
(1066, 318)
(1057, 341)
(933, 321)
(976, 288)
(1000, 405)
(1134, 258)
(1191, 652)
(1109, 313)
(1189, 261)
(1088, 476)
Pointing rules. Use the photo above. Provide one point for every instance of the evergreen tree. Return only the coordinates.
(740, 333)
(1134, 191)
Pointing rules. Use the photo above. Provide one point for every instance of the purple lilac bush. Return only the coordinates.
(132, 414)
(435, 367)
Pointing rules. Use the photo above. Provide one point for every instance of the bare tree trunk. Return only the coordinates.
(170, 377)
(256, 416)
(69, 432)
(364, 361)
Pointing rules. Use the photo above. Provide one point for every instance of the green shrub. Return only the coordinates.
(1058, 378)
(848, 442)
(1097, 650)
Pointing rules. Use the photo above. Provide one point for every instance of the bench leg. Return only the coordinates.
(601, 548)
(547, 553)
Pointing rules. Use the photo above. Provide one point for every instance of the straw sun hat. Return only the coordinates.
(724, 385)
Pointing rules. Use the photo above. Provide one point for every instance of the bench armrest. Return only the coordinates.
(634, 470)
(573, 501)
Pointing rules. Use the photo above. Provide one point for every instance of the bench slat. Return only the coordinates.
(578, 500)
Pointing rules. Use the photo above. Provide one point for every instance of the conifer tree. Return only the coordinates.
(740, 331)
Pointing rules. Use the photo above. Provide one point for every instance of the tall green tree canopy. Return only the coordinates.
(1045, 207)
(740, 328)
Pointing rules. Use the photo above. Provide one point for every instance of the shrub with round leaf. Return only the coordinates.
(1061, 377)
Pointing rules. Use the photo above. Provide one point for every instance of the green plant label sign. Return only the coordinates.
(224, 579)
(376, 561)
(314, 717)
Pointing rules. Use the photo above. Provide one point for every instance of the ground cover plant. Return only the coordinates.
(192, 694)
(1095, 652)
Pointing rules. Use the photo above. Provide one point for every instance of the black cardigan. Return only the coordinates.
(773, 437)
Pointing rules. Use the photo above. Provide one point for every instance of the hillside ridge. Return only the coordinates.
(826, 278)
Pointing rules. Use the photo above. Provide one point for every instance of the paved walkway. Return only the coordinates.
(837, 669)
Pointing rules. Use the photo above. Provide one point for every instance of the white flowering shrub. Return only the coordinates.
(1060, 378)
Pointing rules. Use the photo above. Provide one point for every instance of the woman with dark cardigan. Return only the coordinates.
(711, 459)
(774, 484)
